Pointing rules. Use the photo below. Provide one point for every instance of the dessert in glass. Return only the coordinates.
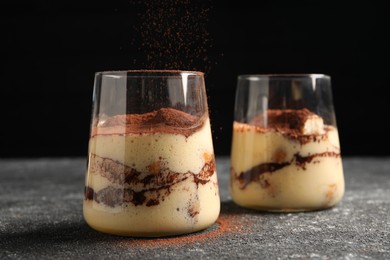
(285, 153)
(151, 167)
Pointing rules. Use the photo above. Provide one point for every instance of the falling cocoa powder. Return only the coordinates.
(173, 34)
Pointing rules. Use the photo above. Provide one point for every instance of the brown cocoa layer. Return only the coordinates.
(140, 188)
(164, 120)
(253, 174)
(288, 122)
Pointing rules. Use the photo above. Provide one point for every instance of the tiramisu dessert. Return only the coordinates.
(151, 174)
(286, 160)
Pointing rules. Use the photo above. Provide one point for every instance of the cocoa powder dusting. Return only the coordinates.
(173, 117)
(284, 120)
(164, 120)
(288, 122)
(173, 34)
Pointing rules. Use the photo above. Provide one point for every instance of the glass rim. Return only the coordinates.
(150, 73)
(283, 76)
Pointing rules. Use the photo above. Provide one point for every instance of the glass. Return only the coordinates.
(285, 153)
(151, 167)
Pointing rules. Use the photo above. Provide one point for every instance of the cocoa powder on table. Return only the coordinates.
(227, 224)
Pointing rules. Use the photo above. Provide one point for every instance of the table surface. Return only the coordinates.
(41, 218)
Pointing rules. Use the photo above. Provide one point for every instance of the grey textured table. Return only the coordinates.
(41, 218)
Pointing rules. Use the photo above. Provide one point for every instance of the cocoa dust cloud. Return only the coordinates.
(172, 34)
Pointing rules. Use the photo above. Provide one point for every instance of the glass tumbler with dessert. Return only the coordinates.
(285, 153)
(151, 168)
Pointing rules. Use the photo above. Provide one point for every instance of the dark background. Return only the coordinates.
(50, 51)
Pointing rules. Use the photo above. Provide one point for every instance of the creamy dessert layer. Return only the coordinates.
(151, 174)
(286, 160)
